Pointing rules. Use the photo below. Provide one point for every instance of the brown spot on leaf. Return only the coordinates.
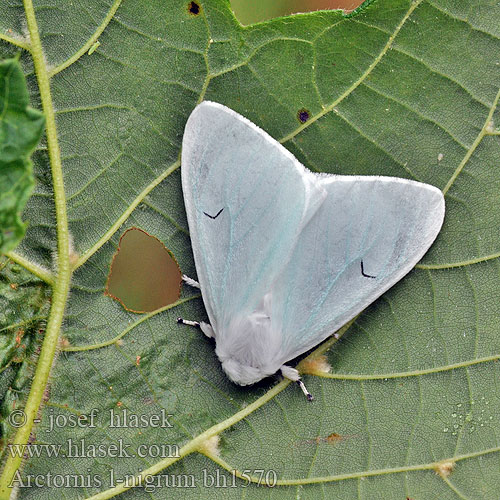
(331, 439)
(315, 366)
(445, 468)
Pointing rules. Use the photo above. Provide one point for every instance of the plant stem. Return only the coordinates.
(62, 278)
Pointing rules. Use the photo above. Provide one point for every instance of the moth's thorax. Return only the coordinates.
(247, 346)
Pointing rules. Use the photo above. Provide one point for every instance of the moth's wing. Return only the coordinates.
(266, 197)
(387, 223)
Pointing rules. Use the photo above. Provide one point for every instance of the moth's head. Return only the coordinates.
(248, 346)
(242, 374)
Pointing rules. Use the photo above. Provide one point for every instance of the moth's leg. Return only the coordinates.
(204, 327)
(292, 374)
(190, 281)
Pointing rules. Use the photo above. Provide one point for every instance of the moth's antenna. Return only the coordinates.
(309, 396)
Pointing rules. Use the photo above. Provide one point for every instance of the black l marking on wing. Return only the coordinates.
(363, 272)
(216, 215)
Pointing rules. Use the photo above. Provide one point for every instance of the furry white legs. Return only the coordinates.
(204, 327)
(287, 371)
(190, 281)
(292, 374)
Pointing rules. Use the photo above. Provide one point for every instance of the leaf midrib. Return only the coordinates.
(62, 282)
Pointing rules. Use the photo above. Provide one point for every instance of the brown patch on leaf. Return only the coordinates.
(444, 469)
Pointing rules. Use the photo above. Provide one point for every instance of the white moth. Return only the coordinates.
(285, 256)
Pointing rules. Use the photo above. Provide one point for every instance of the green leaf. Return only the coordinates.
(24, 308)
(404, 88)
(20, 131)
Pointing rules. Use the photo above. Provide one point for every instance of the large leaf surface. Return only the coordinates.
(401, 88)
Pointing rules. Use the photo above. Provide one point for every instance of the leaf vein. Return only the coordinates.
(417, 113)
(85, 48)
(377, 145)
(411, 373)
(355, 84)
(463, 20)
(463, 263)
(474, 145)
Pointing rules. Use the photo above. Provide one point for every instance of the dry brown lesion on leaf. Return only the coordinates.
(315, 366)
(445, 468)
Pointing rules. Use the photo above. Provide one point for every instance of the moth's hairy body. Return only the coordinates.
(251, 342)
(285, 256)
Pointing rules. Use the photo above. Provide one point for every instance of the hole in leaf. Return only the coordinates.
(261, 10)
(194, 8)
(303, 115)
(144, 275)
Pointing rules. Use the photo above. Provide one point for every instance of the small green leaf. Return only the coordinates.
(20, 131)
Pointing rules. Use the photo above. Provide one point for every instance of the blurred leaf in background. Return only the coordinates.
(20, 131)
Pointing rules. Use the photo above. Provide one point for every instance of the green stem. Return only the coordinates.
(62, 279)
(33, 268)
(15, 41)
